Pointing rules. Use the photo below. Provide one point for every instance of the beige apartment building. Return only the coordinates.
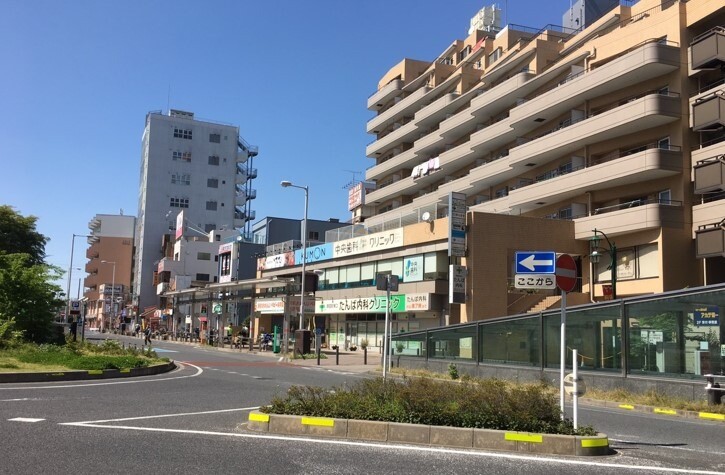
(548, 135)
(108, 283)
(617, 127)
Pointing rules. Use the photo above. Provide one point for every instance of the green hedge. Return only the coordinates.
(484, 404)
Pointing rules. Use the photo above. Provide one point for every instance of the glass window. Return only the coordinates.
(596, 333)
(512, 342)
(202, 277)
(353, 274)
(211, 205)
(203, 256)
(430, 265)
(367, 273)
(212, 182)
(215, 138)
(385, 267)
(396, 267)
(213, 160)
(456, 343)
(332, 276)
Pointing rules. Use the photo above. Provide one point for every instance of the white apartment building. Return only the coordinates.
(200, 167)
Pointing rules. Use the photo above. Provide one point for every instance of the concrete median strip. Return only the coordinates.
(93, 374)
(439, 436)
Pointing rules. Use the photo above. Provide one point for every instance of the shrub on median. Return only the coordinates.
(484, 404)
(86, 356)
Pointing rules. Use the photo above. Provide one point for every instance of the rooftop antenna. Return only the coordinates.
(354, 180)
(168, 99)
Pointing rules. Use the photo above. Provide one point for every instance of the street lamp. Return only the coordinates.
(596, 254)
(70, 273)
(113, 294)
(286, 184)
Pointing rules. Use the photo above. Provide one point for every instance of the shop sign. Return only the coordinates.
(375, 304)
(707, 316)
(276, 306)
(370, 243)
(457, 284)
(323, 252)
(413, 269)
(457, 225)
(418, 302)
(275, 262)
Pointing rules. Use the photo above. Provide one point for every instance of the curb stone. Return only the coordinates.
(438, 436)
(50, 376)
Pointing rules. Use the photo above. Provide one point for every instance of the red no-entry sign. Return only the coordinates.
(565, 272)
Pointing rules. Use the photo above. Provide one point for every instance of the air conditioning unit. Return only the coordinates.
(577, 162)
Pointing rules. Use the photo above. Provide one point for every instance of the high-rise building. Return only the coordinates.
(110, 257)
(616, 125)
(201, 167)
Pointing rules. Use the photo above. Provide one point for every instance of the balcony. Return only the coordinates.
(630, 217)
(708, 112)
(647, 61)
(637, 114)
(710, 240)
(383, 144)
(429, 144)
(497, 205)
(404, 108)
(498, 98)
(492, 137)
(707, 51)
(710, 175)
(378, 99)
(407, 159)
(435, 111)
(390, 191)
(650, 164)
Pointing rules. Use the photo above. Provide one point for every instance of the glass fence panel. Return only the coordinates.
(595, 333)
(409, 344)
(454, 343)
(511, 342)
(677, 337)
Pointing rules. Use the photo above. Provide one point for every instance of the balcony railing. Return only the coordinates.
(635, 203)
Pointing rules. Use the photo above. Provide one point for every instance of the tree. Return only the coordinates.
(19, 236)
(29, 296)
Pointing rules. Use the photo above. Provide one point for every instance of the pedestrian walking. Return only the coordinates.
(147, 336)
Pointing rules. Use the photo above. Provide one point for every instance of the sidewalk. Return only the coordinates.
(349, 361)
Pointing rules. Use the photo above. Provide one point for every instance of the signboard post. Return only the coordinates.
(457, 225)
(566, 280)
(387, 282)
(457, 284)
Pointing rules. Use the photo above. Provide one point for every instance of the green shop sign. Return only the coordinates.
(360, 305)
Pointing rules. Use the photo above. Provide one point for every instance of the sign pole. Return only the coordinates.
(575, 395)
(562, 354)
(386, 349)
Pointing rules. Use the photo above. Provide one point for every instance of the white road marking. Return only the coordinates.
(21, 399)
(125, 381)
(25, 419)
(650, 416)
(406, 448)
(159, 416)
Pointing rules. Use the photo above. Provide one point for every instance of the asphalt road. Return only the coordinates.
(194, 420)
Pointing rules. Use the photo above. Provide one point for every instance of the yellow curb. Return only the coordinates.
(589, 443)
(318, 421)
(95, 371)
(535, 438)
(256, 417)
(125, 370)
(668, 412)
(710, 415)
(626, 406)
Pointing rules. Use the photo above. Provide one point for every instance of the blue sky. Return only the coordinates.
(79, 77)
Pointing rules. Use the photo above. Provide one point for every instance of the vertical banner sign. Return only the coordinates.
(457, 284)
(456, 225)
(179, 224)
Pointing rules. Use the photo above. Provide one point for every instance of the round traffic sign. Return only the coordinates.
(565, 272)
(581, 388)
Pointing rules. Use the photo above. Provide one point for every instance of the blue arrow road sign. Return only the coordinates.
(536, 262)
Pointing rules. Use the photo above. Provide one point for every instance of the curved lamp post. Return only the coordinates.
(287, 184)
(596, 254)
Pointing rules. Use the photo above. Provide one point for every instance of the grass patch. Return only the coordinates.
(653, 398)
(483, 404)
(75, 356)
